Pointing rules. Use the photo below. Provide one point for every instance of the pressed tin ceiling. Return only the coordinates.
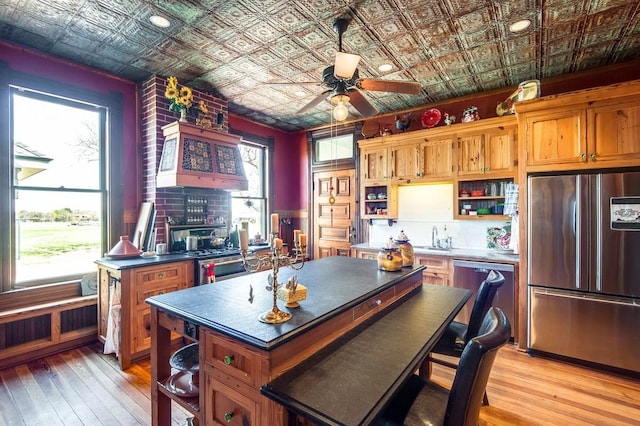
(233, 48)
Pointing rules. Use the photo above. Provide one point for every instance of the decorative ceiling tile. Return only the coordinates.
(241, 44)
(473, 22)
(451, 47)
(100, 16)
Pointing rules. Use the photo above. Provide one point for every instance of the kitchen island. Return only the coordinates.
(239, 355)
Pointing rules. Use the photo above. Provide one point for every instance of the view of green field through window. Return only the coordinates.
(57, 189)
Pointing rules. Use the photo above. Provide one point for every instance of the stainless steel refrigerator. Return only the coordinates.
(584, 267)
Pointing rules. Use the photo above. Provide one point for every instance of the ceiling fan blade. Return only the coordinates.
(396, 86)
(301, 83)
(359, 102)
(321, 97)
(346, 64)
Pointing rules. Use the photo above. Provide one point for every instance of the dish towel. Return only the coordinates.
(511, 200)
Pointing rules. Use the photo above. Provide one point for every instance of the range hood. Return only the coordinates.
(196, 157)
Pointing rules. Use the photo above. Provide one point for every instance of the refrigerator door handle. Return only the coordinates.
(591, 298)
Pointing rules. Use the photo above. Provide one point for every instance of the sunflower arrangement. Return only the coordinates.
(182, 98)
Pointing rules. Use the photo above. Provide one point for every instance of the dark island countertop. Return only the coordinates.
(334, 284)
(348, 382)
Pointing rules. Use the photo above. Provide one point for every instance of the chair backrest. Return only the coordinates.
(484, 300)
(472, 374)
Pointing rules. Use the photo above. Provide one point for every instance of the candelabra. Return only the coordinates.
(275, 259)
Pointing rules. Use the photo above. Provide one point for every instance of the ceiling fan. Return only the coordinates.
(344, 84)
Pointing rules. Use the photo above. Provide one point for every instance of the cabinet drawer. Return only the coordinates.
(155, 280)
(232, 358)
(367, 255)
(153, 289)
(436, 278)
(439, 263)
(376, 302)
(227, 406)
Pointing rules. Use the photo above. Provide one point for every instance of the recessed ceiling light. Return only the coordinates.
(159, 21)
(300, 93)
(519, 25)
(385, 67)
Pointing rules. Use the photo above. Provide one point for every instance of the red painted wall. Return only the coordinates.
(30, 62)
(290, 163)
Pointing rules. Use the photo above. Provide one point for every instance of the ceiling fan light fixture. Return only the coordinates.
(345, 65)
(520, 25)
(340, 112)
(159, 21)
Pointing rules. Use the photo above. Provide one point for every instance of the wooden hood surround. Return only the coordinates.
(196, 157)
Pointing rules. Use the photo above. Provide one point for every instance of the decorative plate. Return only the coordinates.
(431, 117)
(370, 129)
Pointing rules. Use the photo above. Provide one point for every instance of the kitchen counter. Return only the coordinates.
(140, 261)
(454, 253)
(239, 354)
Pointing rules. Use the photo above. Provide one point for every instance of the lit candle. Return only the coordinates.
(296, 235)
(275, 221)
(303, 240)
(244, 239)
(278, 242)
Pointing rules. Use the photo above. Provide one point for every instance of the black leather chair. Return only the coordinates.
(422, 402)
(458, 334)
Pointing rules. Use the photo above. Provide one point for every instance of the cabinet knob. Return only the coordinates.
(583, 156)
(228, 359)
(161, 275)
(593, 155)
(228, 417)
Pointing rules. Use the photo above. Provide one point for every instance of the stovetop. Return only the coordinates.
(210, 253)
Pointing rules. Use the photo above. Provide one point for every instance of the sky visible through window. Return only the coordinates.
(55, 147)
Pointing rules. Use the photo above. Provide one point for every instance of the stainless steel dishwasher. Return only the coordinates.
(470, 274)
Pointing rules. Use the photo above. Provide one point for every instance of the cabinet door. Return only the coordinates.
(557, 138)
(614, 133)
(374, 164)
(436, 158)
(498, 151)
(470, 159)
(404, 163)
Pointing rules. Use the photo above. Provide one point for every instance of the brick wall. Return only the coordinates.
(156, 114)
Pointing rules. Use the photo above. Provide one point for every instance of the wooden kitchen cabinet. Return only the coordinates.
(555, 138)
(436, 158)
(404, 163)
(614, 133)
(490, 150)
(379, 201)
(374, 164)
(132, 286)
(437, 271)
(587, 129)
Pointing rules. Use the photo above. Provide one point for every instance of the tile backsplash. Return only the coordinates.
(422, 207)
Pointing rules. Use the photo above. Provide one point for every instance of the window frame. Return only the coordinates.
(267, 144)
(111, 174)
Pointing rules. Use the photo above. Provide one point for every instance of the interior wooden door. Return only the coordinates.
(334, 223)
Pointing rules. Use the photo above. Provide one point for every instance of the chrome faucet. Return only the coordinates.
(434, 237)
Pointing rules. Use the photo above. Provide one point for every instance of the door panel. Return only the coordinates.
(553, 233)
(334, 223)
(617, 268)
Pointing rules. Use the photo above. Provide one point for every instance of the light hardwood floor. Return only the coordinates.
(84, 387)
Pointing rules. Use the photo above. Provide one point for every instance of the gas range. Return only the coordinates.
(210, 263)
(209, 253)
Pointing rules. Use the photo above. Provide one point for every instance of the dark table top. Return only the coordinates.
(334, 284)
(350, 381)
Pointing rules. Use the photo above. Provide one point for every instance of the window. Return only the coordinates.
(251, 206)
(58, 189)
(333, 148)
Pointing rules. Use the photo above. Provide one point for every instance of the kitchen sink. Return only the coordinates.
(431, 248)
